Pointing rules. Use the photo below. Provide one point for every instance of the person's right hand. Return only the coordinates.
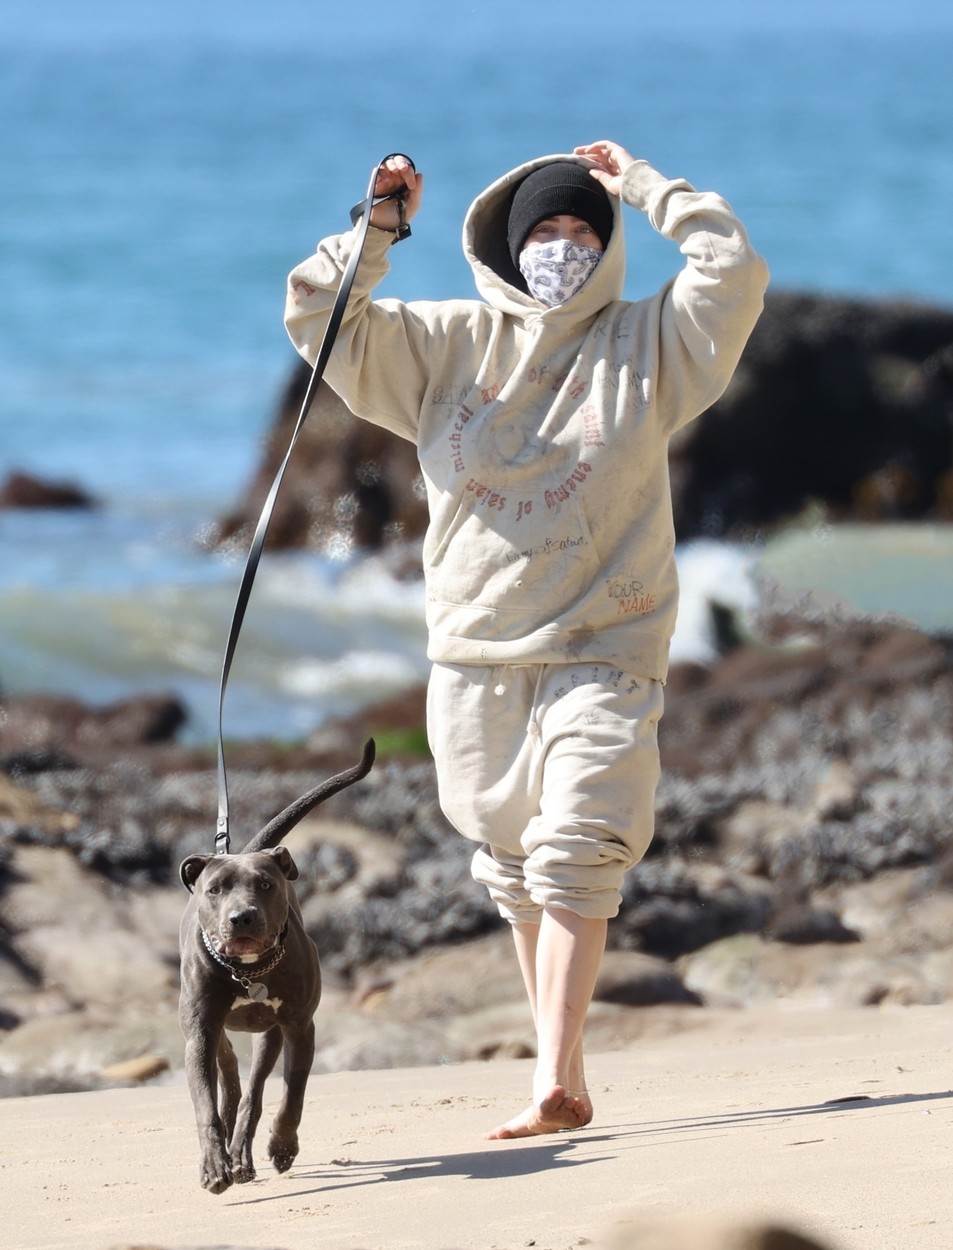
(396, 172)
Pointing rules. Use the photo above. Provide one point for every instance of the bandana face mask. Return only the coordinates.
(555, 271)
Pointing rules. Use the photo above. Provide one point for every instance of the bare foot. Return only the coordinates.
(581, 1103)
(558, 1110)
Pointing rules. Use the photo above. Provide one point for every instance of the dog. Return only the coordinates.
(248, 964)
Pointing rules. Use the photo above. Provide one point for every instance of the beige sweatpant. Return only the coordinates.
(553, 769)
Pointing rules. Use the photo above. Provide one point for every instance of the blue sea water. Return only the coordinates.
(165, 168)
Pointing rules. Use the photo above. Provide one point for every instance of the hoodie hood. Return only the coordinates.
(500, 282)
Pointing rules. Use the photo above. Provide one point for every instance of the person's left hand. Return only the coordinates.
(612, 161)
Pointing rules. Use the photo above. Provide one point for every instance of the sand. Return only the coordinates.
(740, 1116)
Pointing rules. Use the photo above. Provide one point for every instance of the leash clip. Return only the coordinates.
(222, 840)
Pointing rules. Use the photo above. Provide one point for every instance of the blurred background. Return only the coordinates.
(169, 166)
(166, 167)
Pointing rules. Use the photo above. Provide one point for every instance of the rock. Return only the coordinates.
(506, 1030)
(349, 483)
(747, 833)
(442, 983)
(899, 911)
(36, 724)
(745, 969)
(22, 490)
(143, 1068)
(636, 980)
(674, 905)
(25, 1084)
(349, 1040)
(868, 380)
(99, 946)
(398, 725)
(41, 760)
(80, 1044)
(342, 857)
(836, 796)
(20, 806)
(800, 923)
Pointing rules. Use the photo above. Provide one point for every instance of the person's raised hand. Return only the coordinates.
(396, 172)
(612, 160)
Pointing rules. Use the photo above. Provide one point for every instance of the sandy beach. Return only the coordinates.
(838, 1122)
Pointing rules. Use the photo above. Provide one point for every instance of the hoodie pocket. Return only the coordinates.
(509, 555)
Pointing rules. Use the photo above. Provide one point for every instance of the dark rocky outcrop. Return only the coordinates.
(23, 490)
(348, 481)
(844, 402)
(41, 731)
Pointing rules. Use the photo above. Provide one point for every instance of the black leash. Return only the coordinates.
(360, 212)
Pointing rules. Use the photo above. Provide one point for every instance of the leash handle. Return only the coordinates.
(403, 227)
(361, 211)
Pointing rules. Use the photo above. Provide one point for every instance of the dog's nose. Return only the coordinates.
(242, 919)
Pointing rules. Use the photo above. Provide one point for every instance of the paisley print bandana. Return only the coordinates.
(555, 271)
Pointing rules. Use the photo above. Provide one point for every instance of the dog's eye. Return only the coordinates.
(264, 884)
(213, 889)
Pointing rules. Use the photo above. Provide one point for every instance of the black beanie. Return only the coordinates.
(560, 187)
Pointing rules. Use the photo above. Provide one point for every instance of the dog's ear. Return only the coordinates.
(191, 868)
(282, 856)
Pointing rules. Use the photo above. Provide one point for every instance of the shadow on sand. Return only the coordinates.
(498, 1161)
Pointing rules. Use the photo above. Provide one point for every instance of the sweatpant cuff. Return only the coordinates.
(601, 905)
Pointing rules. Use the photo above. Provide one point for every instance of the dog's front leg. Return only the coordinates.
(265, 1052)
(201, 1051)
(299, 1054)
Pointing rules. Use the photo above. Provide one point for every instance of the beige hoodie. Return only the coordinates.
(543, 432)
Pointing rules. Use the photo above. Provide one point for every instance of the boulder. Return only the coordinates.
(349, 483)
(79, 1045)
(870, 381)
(444, 982)
(23, 490)
(747, 969)
(47, 723)
(142, 1068)
(633, 979)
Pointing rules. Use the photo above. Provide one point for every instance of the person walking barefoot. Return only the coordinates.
(542, 414)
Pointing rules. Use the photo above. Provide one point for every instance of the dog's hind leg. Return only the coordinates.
(299, 1055)
(229, 1084)
(265, 1050)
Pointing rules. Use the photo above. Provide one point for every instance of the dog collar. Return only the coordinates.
(257, 991)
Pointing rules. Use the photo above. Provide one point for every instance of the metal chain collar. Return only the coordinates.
(245, 981)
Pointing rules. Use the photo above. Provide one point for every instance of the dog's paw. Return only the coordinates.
(242, 1173)
(282, 1151)
(215, 1173)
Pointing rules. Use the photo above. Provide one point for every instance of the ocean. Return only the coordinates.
(166, 169)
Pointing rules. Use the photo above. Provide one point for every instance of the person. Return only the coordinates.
(542, 415)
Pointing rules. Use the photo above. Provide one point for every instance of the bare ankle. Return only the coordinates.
(544, 1080)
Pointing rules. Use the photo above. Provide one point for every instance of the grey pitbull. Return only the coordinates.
(249, 965)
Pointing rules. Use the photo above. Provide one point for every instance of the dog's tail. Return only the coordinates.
(285, 821)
